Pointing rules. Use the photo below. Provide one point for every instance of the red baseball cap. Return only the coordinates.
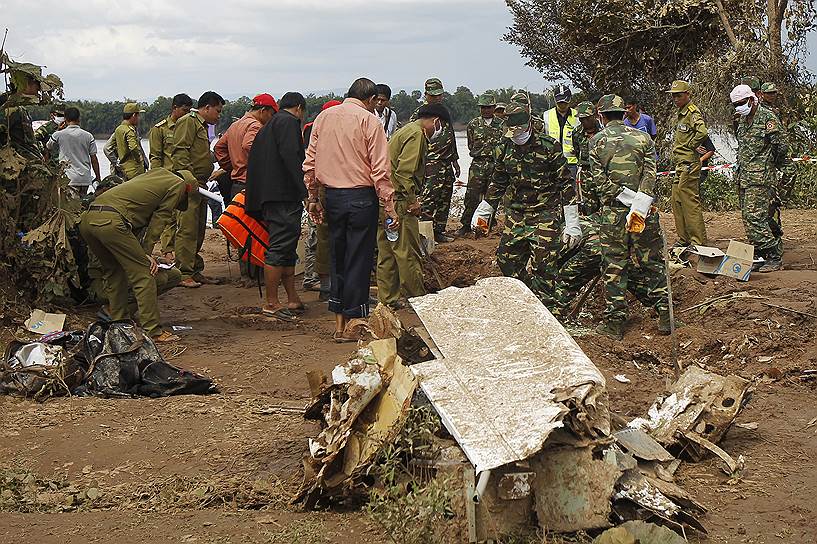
(331, 103)
(265, 99)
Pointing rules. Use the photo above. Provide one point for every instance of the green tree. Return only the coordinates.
(404, 104)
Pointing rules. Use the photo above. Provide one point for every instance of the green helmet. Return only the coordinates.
(768, 88)
(752, 82)
(611, 102)
(585, 109)
(487, 99)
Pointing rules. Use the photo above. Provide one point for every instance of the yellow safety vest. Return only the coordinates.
(552, 130)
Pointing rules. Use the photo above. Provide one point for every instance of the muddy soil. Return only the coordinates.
(221, 468)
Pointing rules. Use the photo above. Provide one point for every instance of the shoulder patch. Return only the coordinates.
(692, 107)
(771, 125)
(161, 123)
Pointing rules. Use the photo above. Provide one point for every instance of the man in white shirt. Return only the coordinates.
(77, 148)
(387, 116)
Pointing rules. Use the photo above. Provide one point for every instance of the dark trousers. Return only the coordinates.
(352, 215)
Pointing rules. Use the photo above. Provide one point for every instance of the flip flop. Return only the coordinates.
(281, 314)
(165, 337)
(297, 309)
(340, 338)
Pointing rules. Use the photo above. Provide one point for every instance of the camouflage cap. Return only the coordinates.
(680, 86)
(516, 115)
(434, 87)
(752, 82)
(520, 97)
(132, 107)
(487, 99)
(500, 105)
(768, 87)
(585, 109)
(611, 102)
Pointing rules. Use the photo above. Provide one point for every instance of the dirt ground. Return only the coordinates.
(220, 468)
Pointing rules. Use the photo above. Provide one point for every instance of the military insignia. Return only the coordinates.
(683, 127)
(771, 125)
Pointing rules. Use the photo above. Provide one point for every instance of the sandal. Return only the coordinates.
(190, 283)
(299, 309)
(165, 337)
(340, 338)
(282, 314)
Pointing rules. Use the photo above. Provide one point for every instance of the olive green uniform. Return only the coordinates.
(438, 185)
(399, 268)
(129, 150)
(160, 139)
(112, 228)
(191, 151)
(690, 132)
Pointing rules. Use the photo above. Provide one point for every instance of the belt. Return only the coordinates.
(95, 208)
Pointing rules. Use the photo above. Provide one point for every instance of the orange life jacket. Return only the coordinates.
(246, 234)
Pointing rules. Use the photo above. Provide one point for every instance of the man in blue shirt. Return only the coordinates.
(634, 117)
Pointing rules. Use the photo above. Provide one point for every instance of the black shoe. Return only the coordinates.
(462, 232)
(323, 296)
(442, 238)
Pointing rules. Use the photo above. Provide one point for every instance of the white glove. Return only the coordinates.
(626, 196)
(572, 235)
(482, 217)
(641, 205)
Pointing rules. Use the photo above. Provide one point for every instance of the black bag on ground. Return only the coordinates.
(124, 361)
(52, 367)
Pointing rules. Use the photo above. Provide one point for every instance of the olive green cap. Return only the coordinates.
(520, 97)
(500, 105)
(752, 82)
(768, 87)
(516, 115)
(611, 102)
(434, 87)
(585, 109)
(680, 86)
(487, 99)
(132, 107)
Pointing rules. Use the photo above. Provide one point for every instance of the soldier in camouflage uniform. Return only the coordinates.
(582, 266)
(623, 170)
(761, 152)
(484, 134)
(441, 167)
(788, 171)
(56, 122)
(531, 172)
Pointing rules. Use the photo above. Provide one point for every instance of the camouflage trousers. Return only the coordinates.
(436, 195)
(479, 176)
(529, 252)
(579, 269)
(761, 219)
(632, 262)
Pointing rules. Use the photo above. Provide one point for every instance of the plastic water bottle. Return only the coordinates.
(391, 235)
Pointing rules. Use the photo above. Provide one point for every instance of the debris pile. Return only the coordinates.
(111, 359)
(526, 412)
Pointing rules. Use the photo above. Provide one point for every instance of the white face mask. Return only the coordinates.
(522, 137)
(59, 120)
(744, 109)
(438, 130)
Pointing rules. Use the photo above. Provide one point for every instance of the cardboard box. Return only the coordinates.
(735, 263)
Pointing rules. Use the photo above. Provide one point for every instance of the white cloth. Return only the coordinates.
(75, 149)
(626, 196)
(483, 212)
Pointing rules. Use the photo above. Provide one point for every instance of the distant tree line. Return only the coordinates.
(101, 118)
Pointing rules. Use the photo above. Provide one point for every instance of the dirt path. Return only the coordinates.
(220, 468)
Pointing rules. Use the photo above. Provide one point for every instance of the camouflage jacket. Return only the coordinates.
(534, 176)
(482, 138)
(621, 156)
(581, 150)
(444, 148)
(20, 131)
(761, 149)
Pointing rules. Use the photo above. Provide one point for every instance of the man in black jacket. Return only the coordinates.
(275, 193)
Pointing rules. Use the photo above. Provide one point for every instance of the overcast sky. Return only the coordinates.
(143, 48)
(113, 49)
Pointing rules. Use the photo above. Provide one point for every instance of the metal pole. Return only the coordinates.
(673, 338)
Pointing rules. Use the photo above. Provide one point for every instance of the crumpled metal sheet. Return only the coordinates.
(510, 373)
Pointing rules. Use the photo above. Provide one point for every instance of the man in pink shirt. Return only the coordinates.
(348, 155)
(233, 148)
